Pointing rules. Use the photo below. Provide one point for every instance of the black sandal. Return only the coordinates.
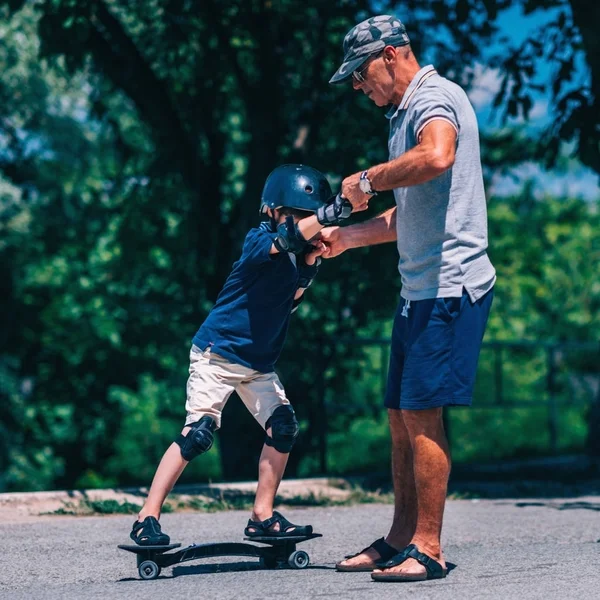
(286, 529)
(380, 546)
(433, 569)
(151, 534)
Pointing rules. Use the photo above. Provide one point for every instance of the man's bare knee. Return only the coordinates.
(395, 416)
(397, 427)
(427, 422)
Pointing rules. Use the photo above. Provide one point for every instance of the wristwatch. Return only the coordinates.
(365, 184)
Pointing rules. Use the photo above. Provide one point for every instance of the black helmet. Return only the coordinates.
(295, 186)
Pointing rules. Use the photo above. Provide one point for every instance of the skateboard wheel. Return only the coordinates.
(148, 569)
(298, 559)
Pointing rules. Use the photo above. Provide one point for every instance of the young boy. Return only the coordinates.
(237, 346)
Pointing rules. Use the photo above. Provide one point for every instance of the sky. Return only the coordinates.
(578, 180)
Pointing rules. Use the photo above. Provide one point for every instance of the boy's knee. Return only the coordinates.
(198, 439)
(284, 429)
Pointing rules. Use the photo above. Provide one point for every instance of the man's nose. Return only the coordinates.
(356, 84)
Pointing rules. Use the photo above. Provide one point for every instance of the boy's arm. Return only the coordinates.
(298, 299)
(294, 237)
(308, 267)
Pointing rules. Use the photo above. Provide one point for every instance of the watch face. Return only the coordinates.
(364, 185)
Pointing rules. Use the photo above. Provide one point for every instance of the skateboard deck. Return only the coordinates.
(136, 549)
(275, 540)
(275, 551)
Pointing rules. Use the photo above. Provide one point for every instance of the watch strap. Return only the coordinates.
(367, 189)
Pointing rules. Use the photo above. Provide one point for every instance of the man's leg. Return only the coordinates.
(403, 477)
(405, 501)
(443, 341)
(431, 464)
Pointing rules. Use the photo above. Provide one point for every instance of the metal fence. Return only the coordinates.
(512, 375)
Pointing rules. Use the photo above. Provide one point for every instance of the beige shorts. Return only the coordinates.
(213, 379)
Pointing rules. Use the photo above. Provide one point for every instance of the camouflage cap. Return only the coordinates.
(367, 38)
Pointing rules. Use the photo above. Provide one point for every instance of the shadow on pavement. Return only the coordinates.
(563, 505)
(211, 568)
(233, 567)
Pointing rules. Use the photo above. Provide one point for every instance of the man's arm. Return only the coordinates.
(434, 154)
(379, 230)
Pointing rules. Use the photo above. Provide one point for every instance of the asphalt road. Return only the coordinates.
(504, 549)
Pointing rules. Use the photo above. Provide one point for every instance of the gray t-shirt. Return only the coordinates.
(441, 224)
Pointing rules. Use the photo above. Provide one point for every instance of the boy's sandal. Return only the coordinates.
(380, 546)
(433, 569)
(148, 533)
(286, 529)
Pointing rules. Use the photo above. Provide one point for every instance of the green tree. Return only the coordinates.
(135, 139)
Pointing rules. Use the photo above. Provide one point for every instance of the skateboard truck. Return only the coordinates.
(275, 552)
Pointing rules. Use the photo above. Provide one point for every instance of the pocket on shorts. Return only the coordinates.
(203, 353)
(448, 308)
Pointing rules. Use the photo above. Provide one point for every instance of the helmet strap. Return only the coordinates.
(273, 221)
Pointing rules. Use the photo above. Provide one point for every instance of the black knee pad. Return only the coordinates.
(199, 438)
(284, 429)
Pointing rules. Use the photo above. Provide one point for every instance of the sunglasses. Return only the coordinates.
(360, 74)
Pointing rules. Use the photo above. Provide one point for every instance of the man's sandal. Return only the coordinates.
(380, 546)
(286, 529)
(433, 569)
(148, 533)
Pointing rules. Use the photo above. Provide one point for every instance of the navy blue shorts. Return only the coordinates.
(435, 349)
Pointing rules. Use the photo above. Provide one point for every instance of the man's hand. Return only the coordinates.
(333, 239)
(352, 191)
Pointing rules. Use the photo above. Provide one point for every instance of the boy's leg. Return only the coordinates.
(169, 470)
(265, 398)
(271, 467)
(146, 529)
(209, 386)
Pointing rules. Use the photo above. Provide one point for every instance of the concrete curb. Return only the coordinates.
(28, 506)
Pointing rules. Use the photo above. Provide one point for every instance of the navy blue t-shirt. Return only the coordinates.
(249, 321)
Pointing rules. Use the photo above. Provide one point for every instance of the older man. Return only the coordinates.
(440, 226)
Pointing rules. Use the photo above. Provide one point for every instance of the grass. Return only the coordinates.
(357, 495)
(231, 501)
(101, 507)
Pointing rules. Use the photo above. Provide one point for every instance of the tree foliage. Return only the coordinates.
(134, 142)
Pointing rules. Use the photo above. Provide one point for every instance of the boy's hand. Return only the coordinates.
(308, 263)
(333, 240)
(318, 248)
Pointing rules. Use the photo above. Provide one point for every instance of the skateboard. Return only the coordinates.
(275, 552)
